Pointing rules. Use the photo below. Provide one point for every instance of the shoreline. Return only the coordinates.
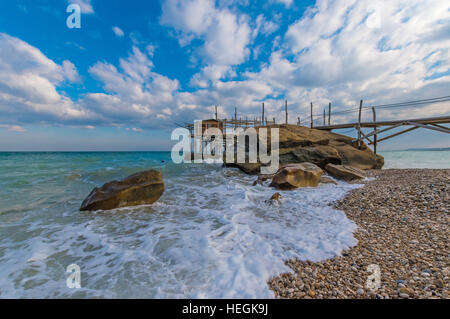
(402, 226)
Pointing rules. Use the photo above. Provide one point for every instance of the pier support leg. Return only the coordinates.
(375, 141)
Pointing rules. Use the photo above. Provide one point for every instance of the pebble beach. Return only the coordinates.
(402, 218)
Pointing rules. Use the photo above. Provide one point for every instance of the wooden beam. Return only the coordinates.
(441, 126)
(312, 118)
(365, 137)
(323, 117)
(446, 130)
(375, 136)
(383, 130)
(216, 112)
(285, 109)
(329, 114)
(359, 124)
(262, 114)
(396, 134)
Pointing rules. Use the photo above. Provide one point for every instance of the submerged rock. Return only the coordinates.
(293, 176)
(138, 189)
(344, 172)
(327, 180)
(274, 199)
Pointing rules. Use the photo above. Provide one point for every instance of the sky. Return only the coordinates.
(135, 69)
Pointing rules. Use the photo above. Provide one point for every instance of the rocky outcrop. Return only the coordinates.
(138, 189)
(344, 172)
(298, 144)
(293, 176)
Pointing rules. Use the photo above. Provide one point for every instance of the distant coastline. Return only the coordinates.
(429, 149)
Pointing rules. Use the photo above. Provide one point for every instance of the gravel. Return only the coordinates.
(403, 228)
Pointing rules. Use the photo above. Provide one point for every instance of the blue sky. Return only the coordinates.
(135, 68)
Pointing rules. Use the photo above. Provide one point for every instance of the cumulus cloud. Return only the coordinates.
(225, 35)
(29, 82)
(118, 31)
(379, 51)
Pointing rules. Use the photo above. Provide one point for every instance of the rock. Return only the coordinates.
(261, 179)
(297, 175)
(360, 291)
(344, 172)
(401, 295)
(248, 168)
(321, 155)
(324, 179)
(298, 144)
(138, 189)
(275, 198)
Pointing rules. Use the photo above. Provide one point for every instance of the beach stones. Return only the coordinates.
(293, 176)
(344, 172)
(138, 189)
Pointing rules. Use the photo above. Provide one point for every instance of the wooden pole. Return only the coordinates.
(235, 117)
(298, 121)
(374, 131)
(216, 112)
(329, 114)
(323, 117)
(262, 118)
(359, 124)
(273, 120)
(312, 119)
(285, 110)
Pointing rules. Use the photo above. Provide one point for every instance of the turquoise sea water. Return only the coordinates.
(212, 234)
(416, 159)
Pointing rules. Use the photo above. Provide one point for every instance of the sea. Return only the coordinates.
(211, 235)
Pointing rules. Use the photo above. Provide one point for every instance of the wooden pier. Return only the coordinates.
(373, 138)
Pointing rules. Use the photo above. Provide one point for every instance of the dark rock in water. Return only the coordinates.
(248, 168)
(344, 172)
(297, 175)
(138, 189)
(276, 198)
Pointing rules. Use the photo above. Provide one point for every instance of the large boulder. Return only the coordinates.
(248, 168)
(344, 172)
(138, 189)
(297, 175)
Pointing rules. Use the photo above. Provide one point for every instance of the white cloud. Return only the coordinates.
(378, 51)
(29, 81)
(226, 35)
(85, 5)
(118, 31)
(287, 3)
(13, 128)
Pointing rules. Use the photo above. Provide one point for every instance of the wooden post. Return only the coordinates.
(235, 117)
(262, 118)
(285, 110)
(374, 131)
(298, 121)
(359, 124)
(323, 117)
(329, 114)
(312, 119)
(273, 120)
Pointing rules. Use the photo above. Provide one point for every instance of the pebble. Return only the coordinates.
(402, 226)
